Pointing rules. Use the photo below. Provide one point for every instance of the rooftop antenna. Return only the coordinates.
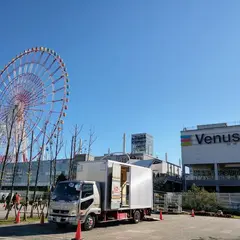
(166, 157)
(80, 146)
(124, 143)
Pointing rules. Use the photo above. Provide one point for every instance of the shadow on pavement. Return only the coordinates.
(46, 229)
(112, 224)
(32, 230)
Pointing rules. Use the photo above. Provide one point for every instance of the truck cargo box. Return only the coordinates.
(123, 186)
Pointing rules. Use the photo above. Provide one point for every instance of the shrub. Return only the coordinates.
(200, 199)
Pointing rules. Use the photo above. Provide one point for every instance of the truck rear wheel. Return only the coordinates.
(89, 223)
(136, 217)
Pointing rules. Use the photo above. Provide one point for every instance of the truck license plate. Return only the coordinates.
(58, 219)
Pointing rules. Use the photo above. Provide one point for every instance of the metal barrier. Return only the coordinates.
(167, 202)
(229, 200)
(175, 202)
(158, 201)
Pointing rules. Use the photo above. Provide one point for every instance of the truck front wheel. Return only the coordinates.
(89, 223)
(136, 216)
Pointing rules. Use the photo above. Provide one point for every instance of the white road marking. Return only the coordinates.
(123, 238)
(226, 231)
(140, 231)
(191, 227)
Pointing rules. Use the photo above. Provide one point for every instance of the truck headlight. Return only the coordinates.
(73, 212)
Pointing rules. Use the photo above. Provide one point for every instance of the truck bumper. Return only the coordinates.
(72, 220)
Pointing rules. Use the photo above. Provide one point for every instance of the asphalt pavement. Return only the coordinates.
(173, 227)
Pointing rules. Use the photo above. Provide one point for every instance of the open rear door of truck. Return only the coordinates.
(116, 186)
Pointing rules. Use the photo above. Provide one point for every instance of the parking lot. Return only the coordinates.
(173, 227)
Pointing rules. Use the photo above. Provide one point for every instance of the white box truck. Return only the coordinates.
(103, 191)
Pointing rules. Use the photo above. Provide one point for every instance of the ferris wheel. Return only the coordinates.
(34, 89)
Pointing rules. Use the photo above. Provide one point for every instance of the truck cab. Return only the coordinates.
(66, 198)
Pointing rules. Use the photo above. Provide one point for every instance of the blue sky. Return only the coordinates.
(136, 66)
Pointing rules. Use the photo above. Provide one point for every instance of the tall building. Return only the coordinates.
(212, 153)
(142, 143)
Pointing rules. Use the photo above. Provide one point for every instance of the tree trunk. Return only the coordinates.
(28, 180)
(8, 146)
(38, 168)
(92, 139)
(50, 187)
(70, 160)
(55, 160)
(19, 143)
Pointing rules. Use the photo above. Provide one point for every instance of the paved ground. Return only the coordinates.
(171, 228)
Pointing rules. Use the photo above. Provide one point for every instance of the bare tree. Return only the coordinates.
(74, 150)
(29, 177)
(38, 168)
(9, 130)
(51, 163)
(58, 147)
(92, 139)
(19, 140)
(50, 175)
(71, 159)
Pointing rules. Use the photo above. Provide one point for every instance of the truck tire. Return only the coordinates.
(89, 223)
(136, 217)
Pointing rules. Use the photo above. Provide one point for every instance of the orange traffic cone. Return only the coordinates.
(42, 218)
(78, 235)
(18, 217)
(161, 217)
(193, 213)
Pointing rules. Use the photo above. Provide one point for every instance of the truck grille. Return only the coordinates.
(61, 211)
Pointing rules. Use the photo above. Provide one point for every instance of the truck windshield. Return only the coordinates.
(66, 191)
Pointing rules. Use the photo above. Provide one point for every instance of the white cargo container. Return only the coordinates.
(108, 191)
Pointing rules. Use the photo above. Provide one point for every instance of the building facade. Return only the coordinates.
(142, 143)
(46, 171)
(212, 153)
